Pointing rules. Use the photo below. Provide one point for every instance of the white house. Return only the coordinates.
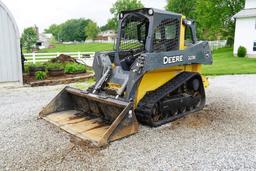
(10, 56)
(245, 34)
(44, 40)
(107, 36)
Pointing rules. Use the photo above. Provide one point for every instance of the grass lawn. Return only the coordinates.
(83, 47)
(224, 63)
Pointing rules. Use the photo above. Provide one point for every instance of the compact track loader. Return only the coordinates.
(153, 77)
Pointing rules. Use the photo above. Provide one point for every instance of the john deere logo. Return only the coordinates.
(173, 59)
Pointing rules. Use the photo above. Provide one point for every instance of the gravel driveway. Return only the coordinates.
(221, 137)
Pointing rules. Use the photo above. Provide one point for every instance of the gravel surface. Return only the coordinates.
(221, 137)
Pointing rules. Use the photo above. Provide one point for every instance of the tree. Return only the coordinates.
(71, 30)
(123, 5)
(213, 18)
(92, 30)
(29, 38)
(209, 24)
(185, 7)
(111, 25)
(54, 29)
(231, 8)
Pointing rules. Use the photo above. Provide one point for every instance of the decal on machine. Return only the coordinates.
(172, 59)
(190, 58)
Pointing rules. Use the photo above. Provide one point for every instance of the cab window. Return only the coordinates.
(166, 36)
(188, 37)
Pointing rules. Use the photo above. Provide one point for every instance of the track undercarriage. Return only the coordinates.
(177, 98)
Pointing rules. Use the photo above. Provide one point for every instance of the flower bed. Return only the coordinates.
(56, 71)
(65, 79)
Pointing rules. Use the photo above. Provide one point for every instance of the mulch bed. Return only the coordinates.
(65, 79)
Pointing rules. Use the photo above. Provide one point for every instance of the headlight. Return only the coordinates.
(121, 15)
(188, 22)
(150, 12)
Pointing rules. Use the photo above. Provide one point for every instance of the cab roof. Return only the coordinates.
(156, 11)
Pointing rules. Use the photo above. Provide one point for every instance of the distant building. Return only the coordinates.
(245, 34)
(44, 40)
(10, 54)
(106, 36)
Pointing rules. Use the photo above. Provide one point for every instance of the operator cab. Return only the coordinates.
(146, 30)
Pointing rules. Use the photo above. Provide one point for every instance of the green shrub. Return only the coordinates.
(54, 66)
(230, 42)
(242, 52)
(72, 68)
(36, 65)
(26, 68)
(40, 75)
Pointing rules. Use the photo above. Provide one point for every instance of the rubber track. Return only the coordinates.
(144, 109)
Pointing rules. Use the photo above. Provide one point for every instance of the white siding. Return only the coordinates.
(250, 4)
(10, 66)
(245, 34)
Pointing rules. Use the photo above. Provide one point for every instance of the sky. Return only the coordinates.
(43, 13)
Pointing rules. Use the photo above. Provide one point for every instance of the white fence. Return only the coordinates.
(100, 41)
(217, 44)
(87, 57)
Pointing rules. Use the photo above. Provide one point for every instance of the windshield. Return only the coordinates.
(134, 31)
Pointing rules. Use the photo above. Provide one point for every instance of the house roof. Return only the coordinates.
(245, 13)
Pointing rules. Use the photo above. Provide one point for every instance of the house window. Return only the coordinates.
(254, 46)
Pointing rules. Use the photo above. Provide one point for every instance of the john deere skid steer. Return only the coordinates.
(153, 77)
